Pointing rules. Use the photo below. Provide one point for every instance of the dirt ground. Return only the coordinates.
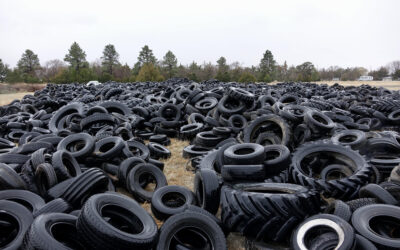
(175, 167)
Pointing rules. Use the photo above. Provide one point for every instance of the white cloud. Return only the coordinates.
(345, 33)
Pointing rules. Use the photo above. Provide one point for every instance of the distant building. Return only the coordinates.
(335, 79)
(387, 79)
(366, 78)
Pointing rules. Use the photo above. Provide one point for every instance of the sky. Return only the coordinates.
(347, 33)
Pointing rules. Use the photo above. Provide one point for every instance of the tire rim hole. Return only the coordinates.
(348, 139)
(66, 234)
(192, 238)
(386, 226)
(122, 219)
(9, 228)
(173, 199)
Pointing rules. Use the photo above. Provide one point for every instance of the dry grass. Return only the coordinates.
(6, 88)
(7, 98)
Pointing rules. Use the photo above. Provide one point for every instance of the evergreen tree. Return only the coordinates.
(28, 63)
(146, 56)
(76, 57)
(223, 70)
(170, 64)
(267, 67)
(109, 59)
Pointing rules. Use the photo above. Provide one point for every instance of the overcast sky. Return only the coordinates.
(346, 33)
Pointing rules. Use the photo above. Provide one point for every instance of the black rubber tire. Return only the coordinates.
(378, 192)
(126, 166)
(340, 209)
(277, 159)
(266, 211)
(63, 112)
(196, 209)
(45, 178)
(116, 107)
(13, 212)
(207, 139)
(245, 153)
(190, 131)
(65, 165)
(362, 222)
(362, 243)
(86, 150)
(53, 231)
(241, 94)
(318, 121)
(9, 179)
(329, 223)
(262, 124)
(138, 149)
(102, 118)
(207, 190)
(170, 200)
(361, 202)
(356, 139)
(144, 172)
(158, 151)
(58, 205)
(89, 182)
(31, 201)
(109, 147)
(188, 220)
(243, 172)
(98, 233)
(344, 188)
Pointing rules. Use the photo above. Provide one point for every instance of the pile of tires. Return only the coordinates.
(294, 165)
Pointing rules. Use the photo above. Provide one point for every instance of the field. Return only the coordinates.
(176, 166)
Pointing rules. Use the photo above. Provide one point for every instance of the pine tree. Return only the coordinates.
(223, 70)
(3, 71)
(109, 58)
(76, 57)
(146, 56)
(170, 64)
(149, 73)
(267, 67)
(28, 63)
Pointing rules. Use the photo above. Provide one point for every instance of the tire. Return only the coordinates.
(343, 188)
(378, 192)
(317, 224)
(45, 178)
(190, 131)
(245, 153)
(335, 168)
(324, 241)
(71, 142)
(97, 233)
(243, 172)
(207, 139)
(266, 211)
(362, 243)
(356, 139)
(241, 94)
(116, 107)
(170, 200)
(65, 165)
(126, 166)
(58, 205)
(63, 112)
(193, 151)
(138, 149)
(277, 159)
(268, 123)
(202, 230)
(89, 182)
(53, 231)
(146, 173)
(366, 220)
(9, 179)
(207, 190)
(158, 151)
(20, 217)
(31, 201)
(361, 202)
(318, 121)
(340, 209)
(109, 147)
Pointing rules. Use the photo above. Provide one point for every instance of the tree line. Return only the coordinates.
(75, 68)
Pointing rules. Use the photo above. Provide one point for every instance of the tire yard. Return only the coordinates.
(211, 165)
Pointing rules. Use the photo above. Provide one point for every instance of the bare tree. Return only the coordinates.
(52, 68)
(394, 66)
